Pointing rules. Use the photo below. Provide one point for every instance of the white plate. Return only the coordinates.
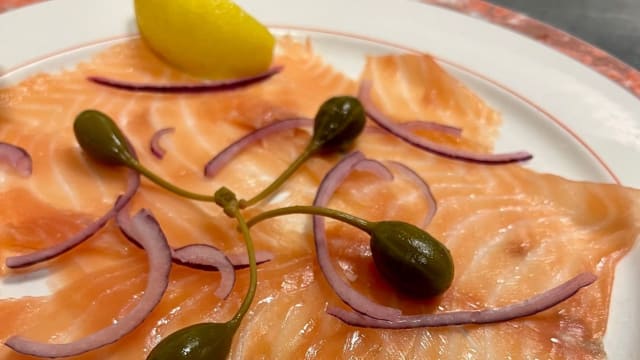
(573, 119)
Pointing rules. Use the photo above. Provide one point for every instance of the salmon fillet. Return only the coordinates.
(512, 232)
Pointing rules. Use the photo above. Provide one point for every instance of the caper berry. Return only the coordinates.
(99, 136)
(411, 260)
(204, 341)
(338, 123)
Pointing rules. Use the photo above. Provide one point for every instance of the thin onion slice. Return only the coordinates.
(182, 256)
(148, 233)
(375, 167)
(133, 182)
(207, 86)
(208, 256)
(424, 188)
(154, 145)
(219, 161)
(348, 294)
(187, 256)
(241, 260)
(364, 94)
(379, 169)
(201, 256)
(531, 306)
(419, 125)
(16, 157)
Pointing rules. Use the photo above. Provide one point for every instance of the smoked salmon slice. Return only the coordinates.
(513, 233)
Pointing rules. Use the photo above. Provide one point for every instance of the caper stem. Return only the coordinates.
(253, 269)
(169, 186)
(308, 151)
(360, 223)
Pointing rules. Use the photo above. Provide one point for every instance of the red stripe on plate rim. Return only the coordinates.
(593, 57)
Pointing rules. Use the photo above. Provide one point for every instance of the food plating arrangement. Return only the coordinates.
(210, 191)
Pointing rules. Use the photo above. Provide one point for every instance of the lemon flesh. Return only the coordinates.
(214, 39)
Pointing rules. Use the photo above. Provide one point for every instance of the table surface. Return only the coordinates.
(612, 25)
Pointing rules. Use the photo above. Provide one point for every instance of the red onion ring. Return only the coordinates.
(424, 188)
(241, 261)
(16, 157)
(148, 233)
(219, 161)
(201, 256)
(531, 306)
(207, 86)
(417, 125)
(386, 123)
(349, 295)
(431, 126)
(237, 260)
(375, 167)
(133, 182)
(203, 262)
(378, 169)
(209, 256)
(154, 145)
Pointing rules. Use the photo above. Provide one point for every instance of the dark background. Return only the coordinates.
(612, 25)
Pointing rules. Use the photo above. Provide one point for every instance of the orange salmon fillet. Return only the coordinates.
(512, 232)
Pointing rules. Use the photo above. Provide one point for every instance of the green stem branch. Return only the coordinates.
(308, 151)
(169, 186)
(253, 270)
(361, 224)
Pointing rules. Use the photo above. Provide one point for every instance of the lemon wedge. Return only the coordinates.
(214, 39)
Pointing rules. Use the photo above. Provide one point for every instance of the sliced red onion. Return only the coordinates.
(126, 227)
(238, 260)
(203, 262)
(202, 255)
(206, 86)
(424, 188)
(431, 126)
(219, 161)
(417, 125)
(241, 260)
(375, 167)
(148, 233)
(531, 306)
(386, 123)
(348, 294)
(154, 145)
(16, 157)
(133, 182)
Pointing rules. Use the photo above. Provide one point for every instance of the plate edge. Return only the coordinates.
(585, 53)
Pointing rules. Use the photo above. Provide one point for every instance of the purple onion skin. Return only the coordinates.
(210, 86)
(424, 188)
(346, 293)
(529, 307)
(17, 158)
(404, 134)
(148, 233)
(154, 144)
(239, 261)
(213, 166)
(133, 182)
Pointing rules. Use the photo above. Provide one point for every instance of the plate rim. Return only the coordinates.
(572, 46)
(582, 51)
(586, 53)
